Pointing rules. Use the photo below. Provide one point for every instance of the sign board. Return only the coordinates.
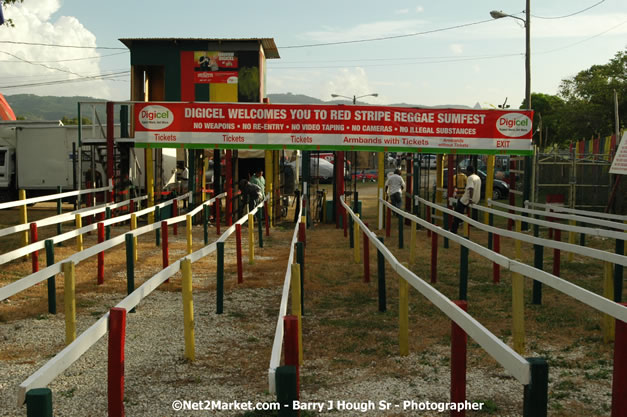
(619, 164)
(333, 127)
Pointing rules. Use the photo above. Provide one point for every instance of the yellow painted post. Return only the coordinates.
(571, 240)
(380, 177)
(79, 239)
(439, 184)
(188, 229)
(188, 309)
(69, 301)
(466, 229)
(356, 240)
(24, 218)
(518, 242)
(133, 227)
(251, 239)
(205, 167)
(608, 292)
(150, 183)
(518, 312)
(296, 307)
(412, 243)
(403, 317)
(489, 186)
(269, 185)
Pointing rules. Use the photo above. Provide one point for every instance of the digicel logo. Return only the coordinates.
(155, 117)
(514, 124)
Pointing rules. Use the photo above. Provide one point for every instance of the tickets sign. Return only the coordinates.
(331, 127)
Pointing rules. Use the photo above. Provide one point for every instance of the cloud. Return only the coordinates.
(367, 30)
(401, 11)
(420, 9)
(34, 24)
(456, 48)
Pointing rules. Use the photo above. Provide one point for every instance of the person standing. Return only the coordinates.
(472, 195)
(394, 187)
(259, 180)
(251, 193)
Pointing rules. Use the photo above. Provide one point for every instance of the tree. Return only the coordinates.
(6, 3)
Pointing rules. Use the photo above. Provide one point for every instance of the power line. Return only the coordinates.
(73, 59)
(572, 14)
(583, 40)
(54, 45)
(383, 38)
(109, 77)
(41, 65)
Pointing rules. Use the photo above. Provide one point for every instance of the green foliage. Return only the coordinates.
(74, 121)
(248, 80)
(6, 3)
(33, 107)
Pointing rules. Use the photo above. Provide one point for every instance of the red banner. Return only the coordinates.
(334, 127)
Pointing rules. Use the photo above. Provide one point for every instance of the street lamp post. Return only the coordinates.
(354, 98)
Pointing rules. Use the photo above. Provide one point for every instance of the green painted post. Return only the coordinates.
(52, 293)
(618, 273)
(536, 393)
(205, 224)
(59, 210)
(300, 258)
(490, 237)
(260, 228)
(582, 239)
(130, 264)
(536, 230)
(463, 273)
(416, 188)
(526, 189)
(401, 222)
(538, 264)
(158, 230)
(381, 279)
(39, 402)
(351, 238)
(220, 279)
(446, 220)
(108, 228)
(286, 381)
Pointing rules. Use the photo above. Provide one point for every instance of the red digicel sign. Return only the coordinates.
(273, 126)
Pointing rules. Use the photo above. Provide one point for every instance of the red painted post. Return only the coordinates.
(366, 257)
(238, 239)
(218, 206)
(101, 236)
(428, 209)
(388, 223)
(35, 254)
(302, 237)
(290, 346)
(115, 365)
(557, 254)
(165, 250)
(496, 268)
(267, 219)
(619, 387)
(434, 257)
(175, 213)
(228, 184)
(458, 363)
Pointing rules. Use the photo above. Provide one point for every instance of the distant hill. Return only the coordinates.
(32, 107)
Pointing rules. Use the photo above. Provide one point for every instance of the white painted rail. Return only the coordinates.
(587, 213)
(33, 200)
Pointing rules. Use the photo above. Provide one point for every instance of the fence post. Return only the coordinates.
(165, 249)
(356, 239)
(445, 219)
(463, 273)
(175, 213)
(458, 362)
(536, 392)
(79, 238)
(388, 222)
(403, 316)
(518, 313)
(381, 279)
(618, 273)
(52, 294)
(69, 301)
(366, 256)
(23, 218)
(260, 228)
(291, 345)
(491, 223)
(220, 278)
(496, 268)
(434, 257)
(286, 391)
(571, 239)
(619, 388)
(351, 234)
(302, 230)
(300, 258)
(129, 240)
(108, 227)
(296, 307)
(39, 402)
(188, 232)
(251, 239)
(218, 206)
(238, 251)
(158, 230)
(608, 292)
(538, 264)
(115, 363)
(556, 254)
(101, 236)
(35, 254)
(205, 223)
(59, 211)
(133, 227)
(401, 222)
(266, 218)
(188, 309)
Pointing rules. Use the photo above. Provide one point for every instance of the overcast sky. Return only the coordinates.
(434, 53)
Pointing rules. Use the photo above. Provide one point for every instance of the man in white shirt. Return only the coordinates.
(394, 186)
(472, 195)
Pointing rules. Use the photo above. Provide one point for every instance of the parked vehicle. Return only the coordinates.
(428, 161)
(500, 188)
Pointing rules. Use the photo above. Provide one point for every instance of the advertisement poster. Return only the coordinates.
(215, 67)
(332, 127)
